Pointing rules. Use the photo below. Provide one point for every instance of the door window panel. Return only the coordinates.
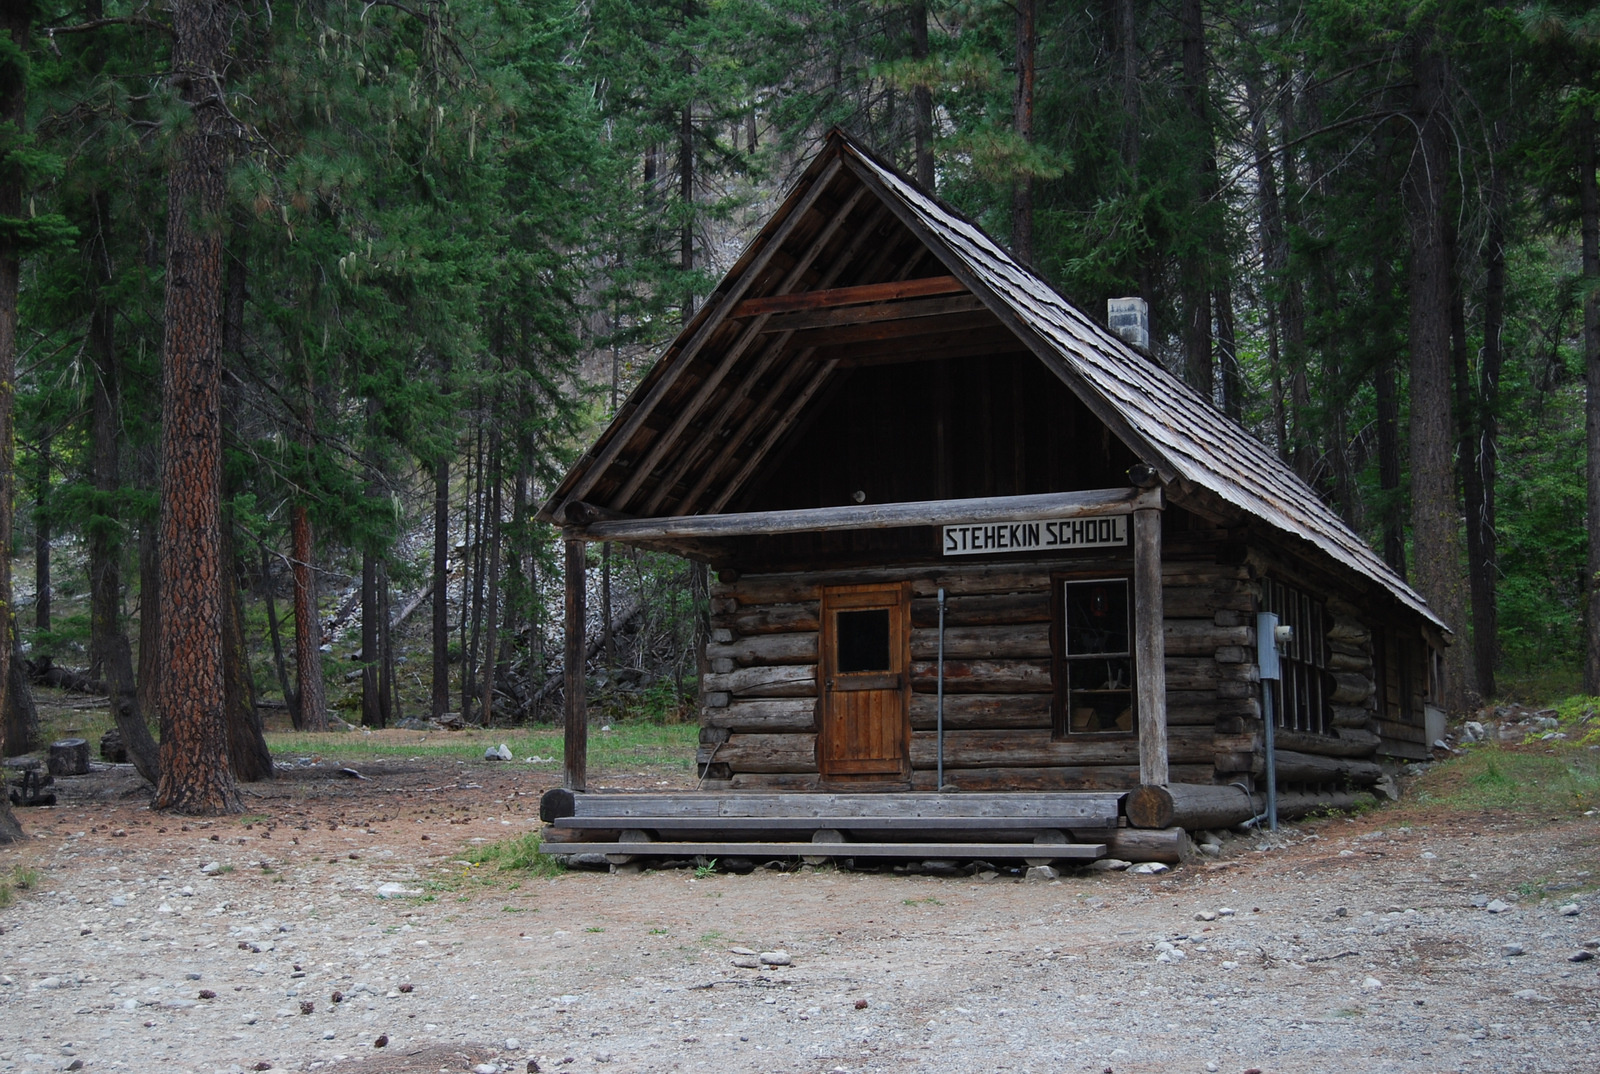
(1099, 656)
(862, 640)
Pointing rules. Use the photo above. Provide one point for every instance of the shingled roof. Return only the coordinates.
(655, 458)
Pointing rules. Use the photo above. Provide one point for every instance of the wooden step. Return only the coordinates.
(921, 851)
(817, 823)
(1072, 809)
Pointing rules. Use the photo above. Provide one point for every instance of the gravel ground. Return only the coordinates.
(1351, 944)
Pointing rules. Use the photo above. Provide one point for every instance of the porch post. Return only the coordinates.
(575, 713)
(1149, 647)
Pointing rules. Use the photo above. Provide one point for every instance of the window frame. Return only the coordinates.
(1301, 700)
(1061, 662)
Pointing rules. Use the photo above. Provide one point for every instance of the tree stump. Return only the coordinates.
(69, 757)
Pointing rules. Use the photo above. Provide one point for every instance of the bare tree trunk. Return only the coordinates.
(1228, 352)
(149, 684)
(1195, 269)
(1434, 515)
(1589, 198)
(441, 583)
(1127, 35)
(195, 775)
(472, 613)
(41, 537)
(247, 746)
(307, 623)
(1022, 121)
(1384, 387)
(922, 98)
(291, 698)
(1479, 459)
(492, 562)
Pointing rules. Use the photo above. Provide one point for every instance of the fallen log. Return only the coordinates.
(1188, 805)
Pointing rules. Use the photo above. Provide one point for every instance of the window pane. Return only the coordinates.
(1099, 695)
(862, 640)
(1097, 617)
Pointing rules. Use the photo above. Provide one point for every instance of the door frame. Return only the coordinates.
(895, 596)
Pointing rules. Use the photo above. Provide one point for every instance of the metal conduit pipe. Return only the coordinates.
(939, 725)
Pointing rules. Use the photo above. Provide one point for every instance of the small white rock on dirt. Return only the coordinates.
(1148, 868)
(1109, 865)
(775, 958)
(1570, 910)
(1497, 906)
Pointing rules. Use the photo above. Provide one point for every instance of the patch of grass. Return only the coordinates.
(929, 901)
(1555, 776)
(658, 932)
(594, 928)
(705, 869)
(20, 878)
(521, 854)
(632, 743)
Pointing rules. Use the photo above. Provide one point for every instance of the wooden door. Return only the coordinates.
(864, 681)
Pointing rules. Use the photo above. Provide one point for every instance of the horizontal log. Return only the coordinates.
(983, 609)
(1344, 742)
(1239, 764)
(1203, 706)
(966, 712)
(1348, 630)
(799, 680)
(1041, 749)
(772, 619)
(767, 649)
(729, 848)
(1198, 602)
(1350, 688)
(1189, 805)
(1232, 691)
(837, 297)
(1200, 673)
(1170, 846)
(1089, 503)
(879, 313)
(1358, 662)
(1201, 637)
(1294, 804)
(1293, 767)
(984, 676)
(775, 716)
(959, 580)
(1056, 778)
(1343, 716)
(1234, 654)
(769, 753)
(1019, 642)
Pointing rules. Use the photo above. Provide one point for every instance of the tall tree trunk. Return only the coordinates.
(373, 701)
(685, 177)
(307, 623)
(41, 537)
(441, 583)
(1127, 36)
(1228, 352)
(291, 697)
(1434, 514)
(1482, 545)
(921, 98)
(1194, 264)
(472, 610)
(388, 687)
(149, 682)
(1022, 121)
(195, 775)
(1589, 198)
(108, 644)
(247, 746)
(1384, 386)
(492, 562)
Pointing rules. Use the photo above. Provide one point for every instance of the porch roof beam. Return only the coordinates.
(876, 516)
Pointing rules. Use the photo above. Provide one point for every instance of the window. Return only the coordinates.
(862, 640)
(1094, 672)
(1300, 699)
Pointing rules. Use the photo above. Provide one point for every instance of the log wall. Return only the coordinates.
(759, 721)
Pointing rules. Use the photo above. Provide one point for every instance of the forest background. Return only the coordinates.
(314, 301)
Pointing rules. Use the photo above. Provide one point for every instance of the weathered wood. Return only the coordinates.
(1200, 706)
(756, 752)
(1052, 807)
(1019, 828)
(780, 715)
(1353, 717)
(1087, 504)
(1202, 637)
(1189, 805)
(1344, 742)
(1292, 804)
(1202, 672)
(983, 676)
(964, 712)
(1348, 630)
(1350, 688)
(1065, 778)
(1008, 642)
(575, 709)
(793, 680)
(1170, 846)
(1296, 767)
(1039, 748)
(628, 835)
(878, 313)
(1149, 650)
(901, 329)
(774, 619)
(835, 297)
(988, 609)
(69, 757)
(768, 851)
(1199, 601)
(798, 648)
(1361, 663)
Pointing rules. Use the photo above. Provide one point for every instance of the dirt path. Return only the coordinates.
(1355, 946)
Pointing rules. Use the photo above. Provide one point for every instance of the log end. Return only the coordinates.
(556, 804)
(1149, 807)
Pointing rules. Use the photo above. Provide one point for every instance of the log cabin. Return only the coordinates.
(964, 537)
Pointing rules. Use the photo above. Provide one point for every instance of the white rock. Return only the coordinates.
(1371, 984)
(486, 1068)
(49, 983)
(250, 1018)
(745, 962)
(1511, 950)
(392, 890)
(1206, 915)
(1041, 872)
(512, 1044)
(1211, 1065)
(500, 753)
(165, 909)
(1148, 868)
(1497, 907)
(1108, 865)
(775, 958)
(118, 900)
(1230, 965)
(1570, 910)
(211, 868)
(1526, 993)
(1226, 911)
(740, 951)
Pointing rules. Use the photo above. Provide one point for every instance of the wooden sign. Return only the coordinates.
(1038, 536)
